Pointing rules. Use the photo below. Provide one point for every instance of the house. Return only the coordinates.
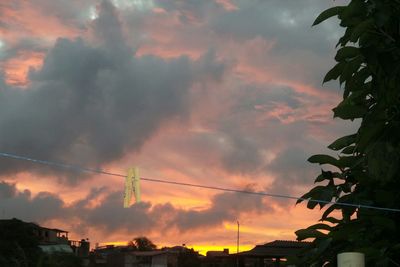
(270, 254)
(53, 240)
(156, 258)
(218, 259)
(126, 256)
(123, 256)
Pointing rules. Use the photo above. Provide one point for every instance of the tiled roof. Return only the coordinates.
(276, 249)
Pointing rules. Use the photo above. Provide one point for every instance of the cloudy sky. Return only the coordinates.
(224, 93)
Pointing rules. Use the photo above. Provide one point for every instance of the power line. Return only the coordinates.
(265, 194)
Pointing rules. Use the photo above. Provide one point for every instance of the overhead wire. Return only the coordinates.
(258, 193)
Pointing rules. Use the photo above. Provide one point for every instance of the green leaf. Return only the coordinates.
(349, 111)
(332, 220)
(350, 68)
(334, 73)
(321, 226)
(350, 161)
(325, 175)
(313, 193)
(347, 52)
(308, 233)
(311, 204)
(367, 134)
(329, 210)
(349, 150)
(323, 159)
(343, 142)
(360, 29)
(333, 11)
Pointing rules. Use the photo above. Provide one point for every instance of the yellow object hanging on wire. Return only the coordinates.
(132, 185)
(136, 185)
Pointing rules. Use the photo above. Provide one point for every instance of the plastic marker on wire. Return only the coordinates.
(128, 188)
(136, 185)
(132, 185)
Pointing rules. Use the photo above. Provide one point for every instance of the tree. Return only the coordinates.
(366, 169)
(59, 259)
(18, 244)
(142, 243)
(19, 247)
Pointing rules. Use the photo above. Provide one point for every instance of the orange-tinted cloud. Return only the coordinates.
(16, 69)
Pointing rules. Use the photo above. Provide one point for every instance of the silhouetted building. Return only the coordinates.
(126, 256)
(53, 240)
(215, 258)
(270, 254)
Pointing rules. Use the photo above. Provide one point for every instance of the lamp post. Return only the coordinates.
(237, 244)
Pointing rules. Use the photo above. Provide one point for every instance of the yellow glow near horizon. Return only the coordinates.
(115, 243)
(202, 249)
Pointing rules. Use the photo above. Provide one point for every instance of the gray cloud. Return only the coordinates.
(291, 169)
(89, 104)
(287, 22)
(225, 207)
(189, 10)
(7, 190)
(109, 215)
(44, 206)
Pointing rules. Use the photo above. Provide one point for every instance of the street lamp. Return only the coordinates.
(237, 244)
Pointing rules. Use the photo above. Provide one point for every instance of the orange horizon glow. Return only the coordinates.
(201, 249)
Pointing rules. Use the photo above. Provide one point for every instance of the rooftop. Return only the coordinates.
(276, 249)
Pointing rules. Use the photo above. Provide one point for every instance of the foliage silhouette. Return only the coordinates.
(142, 243)
(367, 165)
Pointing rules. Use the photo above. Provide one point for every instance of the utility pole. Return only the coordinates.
(237, 244)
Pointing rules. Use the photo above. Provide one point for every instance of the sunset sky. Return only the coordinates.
(224, 93)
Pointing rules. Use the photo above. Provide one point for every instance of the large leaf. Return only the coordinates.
(349, 150)
(332, 220)
(333, 11)
(329, 210)
(349, 111)
(328, 175)
(321, 226)
(360, 29)
(347, 52)
(343, 142)
(312, 193)
(350, 68)
(334, 73)
(308, 233)
(323, 159)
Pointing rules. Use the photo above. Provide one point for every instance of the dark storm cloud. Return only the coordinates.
(240, 154)
(110, 216)
(225, 207)
(288, 22)
(89, 104)
(189, 10)
(7, 190)
(72, 13)
(243, 147)
(44, 206)
(297, 45)
(290, 168)
(145, 217)
(24, 45)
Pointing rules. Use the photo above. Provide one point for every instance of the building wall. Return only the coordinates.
(159, 260)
